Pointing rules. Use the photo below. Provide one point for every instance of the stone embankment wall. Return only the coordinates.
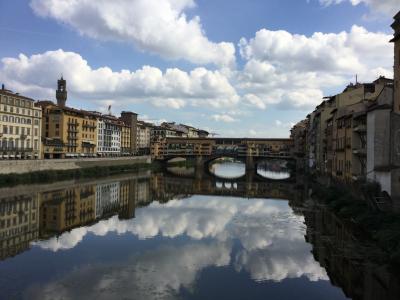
(27, 166)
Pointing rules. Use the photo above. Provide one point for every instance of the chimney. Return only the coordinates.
(2, 87)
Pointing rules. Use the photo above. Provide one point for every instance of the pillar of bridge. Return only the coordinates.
(250, 164)
(199, 167)
(250, 172)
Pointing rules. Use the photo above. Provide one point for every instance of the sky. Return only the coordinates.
(233, 67)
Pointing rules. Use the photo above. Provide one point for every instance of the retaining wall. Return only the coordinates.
(27, 166)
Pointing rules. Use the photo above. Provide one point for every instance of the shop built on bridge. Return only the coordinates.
(205, 150)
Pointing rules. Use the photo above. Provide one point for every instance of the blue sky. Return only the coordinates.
(238, 68)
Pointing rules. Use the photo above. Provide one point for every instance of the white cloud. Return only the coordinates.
(386, 7)
(157, 26)
(173, 88)
(292, 71)
(281, 70)
(269, 242)
(357, 51)
(279, 123)
(223, 118)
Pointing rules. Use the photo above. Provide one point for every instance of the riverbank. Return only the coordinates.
(64, 170)
(30, 166)
(352, 206)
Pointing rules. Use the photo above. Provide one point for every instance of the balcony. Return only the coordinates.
(73, 124)
(72, 137)
(72, 130)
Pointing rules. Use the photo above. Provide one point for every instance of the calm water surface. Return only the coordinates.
(159, 236)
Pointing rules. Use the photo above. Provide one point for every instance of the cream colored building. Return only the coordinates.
(20, 126)
(143, 137)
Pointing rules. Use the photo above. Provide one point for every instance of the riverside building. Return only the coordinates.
(67, 132)
(109, 136)
(20, 126)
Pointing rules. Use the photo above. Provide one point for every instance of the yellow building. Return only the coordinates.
(125, 139)
(67, 132)
(349, 128)
(66, 209)
(20, 127)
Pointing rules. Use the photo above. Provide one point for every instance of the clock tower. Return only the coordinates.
(61, 93)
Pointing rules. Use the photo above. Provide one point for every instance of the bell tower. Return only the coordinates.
(396, 41)
(61, 93)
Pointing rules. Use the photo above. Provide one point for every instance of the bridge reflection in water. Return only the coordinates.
(41, 212)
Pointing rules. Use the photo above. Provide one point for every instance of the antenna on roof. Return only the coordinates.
(356, 78)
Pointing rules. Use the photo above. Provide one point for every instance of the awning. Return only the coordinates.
(68, 155)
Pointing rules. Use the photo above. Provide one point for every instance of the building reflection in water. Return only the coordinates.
(19, 223)
(353, 263)
(42, 212)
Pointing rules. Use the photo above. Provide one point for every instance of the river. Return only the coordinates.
(181, 235)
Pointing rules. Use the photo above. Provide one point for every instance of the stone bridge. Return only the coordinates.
(205, 150)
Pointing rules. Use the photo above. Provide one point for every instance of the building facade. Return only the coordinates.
(109, 136)
(20, 127)
(396, 68)
(67, 132)
(144, 137)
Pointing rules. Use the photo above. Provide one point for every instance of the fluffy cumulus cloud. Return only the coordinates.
(292, 70)
(157, 26)
(270, 236)
(173, 88)
(387, 7)
(281, 70)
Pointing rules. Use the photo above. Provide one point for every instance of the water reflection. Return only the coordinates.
(157, 236)
(273, 169)
(228, 168)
